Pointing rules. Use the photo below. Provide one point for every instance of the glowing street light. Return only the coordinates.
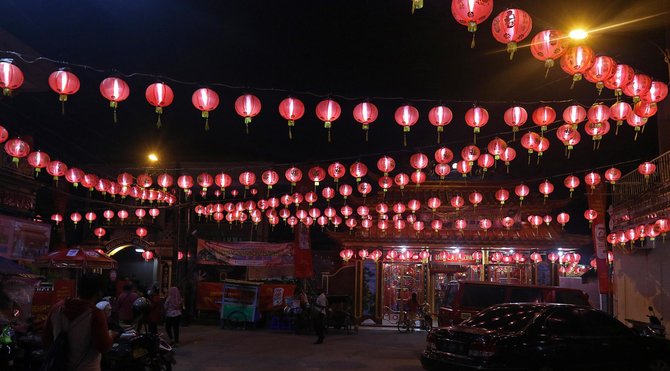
(152, 157)
(578, 34)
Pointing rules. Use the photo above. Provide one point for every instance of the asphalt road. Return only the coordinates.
(206, 348)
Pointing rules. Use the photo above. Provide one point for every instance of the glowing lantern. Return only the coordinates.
(310, 197)
(328, 111)
(399, 224)
(546, 188)
(576, 61)
(90, 217)
(365, 189)
(401, 180)
(75, 217)
(386, 164)
(399, 208)
(485, 161)
(57, 218)
(535, 220)
(180, 255)
(345, 210)
(115, 90)
(345, 190)
(382, 208)
(597, 130)
(414, 205)
(247, 106)
(375, 255)
(590, 215)
(406, 116)
(17, 148)
(418, 177)
(521, 191)
(464, 167)
(496, 257)
(647, 169)
(592, 179)
(365, 113)
(57, 169)
(543, 116)
(507, 222)
(460, 224)
(622, 76)
(385, 183)
(205, 181)
(547, 219)
(610, 257)
(442, 170)
(476, 118)
(603, 68)
(552, 257)
(165, 180)
(658, 91)
(147, 255)
(11, 77)
(457, 202)
(475, 198)
(645, 109)
(418, 161)
(440, 116)
(612, 175)
(511, 26)
(636, 122)
(205, 100)
(547, 46)
(291, 109)
(108, 214)
(358, 170)
(316, 174)
(418, 226)
(328, 193)
(424, 255)
(638, 87)
(502, 195)
(269, 178)
(38, 160)
(293, 175)
(508, 155)
(574, 115)
(529, 141)
(598, 113)
(470, 13)
(3, 133)
(565, 133)
(383, 225)
(571, 182)
(122, 214)
(542, 146)
(64, 83)
(436, 225)
(620, 112)
(496, 147)
(99, 232)
(159, 95)
(154, 212)
(443, 155)
(363, 254)
(247, 179)
(470, 154)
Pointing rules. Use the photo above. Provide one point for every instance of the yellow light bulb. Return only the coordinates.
(578, 34)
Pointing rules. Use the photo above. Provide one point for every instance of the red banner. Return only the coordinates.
(302, 252)
(249, 254)
(597, 202)
(209, 296)
(273, 297)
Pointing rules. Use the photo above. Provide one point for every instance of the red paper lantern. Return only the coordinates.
(247, 179)
(598, 113)
(3, 134)
(291, 109)
(345, 191)
(386, 164)
(441, 116)
(11, 77)
(328, 193)
(56, 169)
(336, 170)
(270, 178)
(159, 95)
(511, 26)
(658, 91)
(543, 116)
(576, 61)
(17, 148)
(64, 83)
(385, 183)
(515, 117)
(563, 219)
(205, 100)
(346, 254)
(645, 109)
(328, 111)
(90, 217)
(574, 115)
(165, 180)
(547, 46)
(485, 224)
(382, 208)
(535, 220)
(620, 112)
(636, 122)
(638, 87)
(603, 68)
(496, 147)
(316, 174)
(507, 222)
(418, 161)
(443, 155)
(57, 218)
(401, 180)
(470, 153)
(508, 155)
(460, 224)
(365, 113)
(75, 217)
(108, 214)
(99, 232)
(485, 161)
(365, 189)
(185, 182)
(205, 181)
(546, 188)
(529, 141)
(457, 202)
(476, 118)
(406, 116)
(592, 179)
(293, 175)
(597, 130)
(115, 90)
(74, 176)
(590, 215)
(122, 214)
(358, 170)
(612, 175)
(140, 213)
(622, 76)
(247, 106)
(521, 191)
(464, 167)
(571, 182)
(147, 255)
(442, 170)
(38, 160)
(471, 13)
(502, 195)
(647, 169)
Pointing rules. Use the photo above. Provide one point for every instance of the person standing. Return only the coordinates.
(156, 310)
(124, 304)
(173, 310)
(320, 317)
(85, 324)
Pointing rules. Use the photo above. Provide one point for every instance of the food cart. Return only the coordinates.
(239, 304)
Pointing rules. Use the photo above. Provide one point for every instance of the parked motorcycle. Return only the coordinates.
(654, 327)
(135, 351)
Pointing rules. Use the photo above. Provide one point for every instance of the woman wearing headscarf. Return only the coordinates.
(173, 309)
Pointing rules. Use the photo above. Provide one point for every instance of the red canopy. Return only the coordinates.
(76, 258)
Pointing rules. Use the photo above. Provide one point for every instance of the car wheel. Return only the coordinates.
(658, 365)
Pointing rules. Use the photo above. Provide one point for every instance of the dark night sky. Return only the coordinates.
(354, 49)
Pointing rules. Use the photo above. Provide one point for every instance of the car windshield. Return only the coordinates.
(503, 319)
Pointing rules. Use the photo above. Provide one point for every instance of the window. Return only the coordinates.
(508, 318)
(571, 297)
(482, 296)
(597, 323)
(452, 289)
(525, 295)
(564, 322)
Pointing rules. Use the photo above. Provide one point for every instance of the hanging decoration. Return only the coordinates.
(205, 100)
(576, 61)
(603, 68)
(328, 111)
(521, 191)
(547, 46)
(638, 86)
(544, 116)
(510, 27)
(38, 160)
(571, 182)
(515, 117)
(406, 116)
(64, 83)
(247, 106)
(291, 109)
(470, 13)
(620, 111)
(11, 77)
(365, 113)
(622, 76)
(115, 90)
(159, 95)
(440, 116)
(476, 118)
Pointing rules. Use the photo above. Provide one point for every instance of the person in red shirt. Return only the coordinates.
(155, 310)
(124, 304)
(86, 325)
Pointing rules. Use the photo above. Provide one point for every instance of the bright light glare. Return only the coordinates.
(139, 250)
(152, 157)
(578, 34)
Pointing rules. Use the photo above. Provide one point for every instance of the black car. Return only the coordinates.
(543, 337)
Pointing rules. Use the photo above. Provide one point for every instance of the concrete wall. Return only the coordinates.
(643, 279)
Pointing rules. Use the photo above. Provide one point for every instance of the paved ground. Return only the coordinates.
(205, 348)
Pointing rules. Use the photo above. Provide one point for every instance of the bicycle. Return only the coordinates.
(423, 321)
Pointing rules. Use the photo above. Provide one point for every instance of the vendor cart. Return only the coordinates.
(340, 315)
(239, 304)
